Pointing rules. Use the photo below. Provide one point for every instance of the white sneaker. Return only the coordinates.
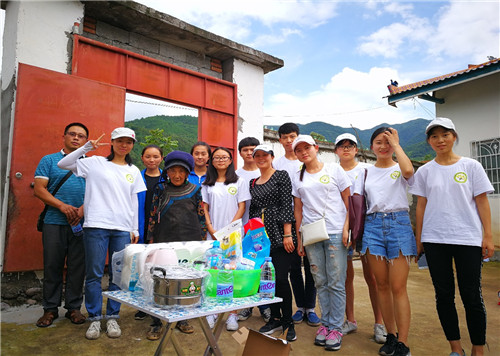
(349, 327)
(94, 330)
(212, 319)
(232, 322)
(113, 329)
(379, 334)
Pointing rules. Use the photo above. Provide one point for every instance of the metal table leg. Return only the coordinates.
(168, 335)
(213, 337)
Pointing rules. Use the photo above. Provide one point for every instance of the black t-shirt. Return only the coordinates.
(150, 184)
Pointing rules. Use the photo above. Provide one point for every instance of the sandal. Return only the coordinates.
(47, 319)
(155, 332)
(184, 327)
(75, 316)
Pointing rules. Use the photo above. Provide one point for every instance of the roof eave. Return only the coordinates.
(443, 84)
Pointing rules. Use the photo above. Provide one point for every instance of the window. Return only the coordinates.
(487, 152)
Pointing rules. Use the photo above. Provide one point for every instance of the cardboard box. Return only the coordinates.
(253, 343)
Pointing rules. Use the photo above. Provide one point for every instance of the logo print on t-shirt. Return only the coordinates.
(395, 174)
(232, 190)
(460, 177)
(129, 178)
(325, 179)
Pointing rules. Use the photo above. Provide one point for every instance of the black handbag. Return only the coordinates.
(41, 217)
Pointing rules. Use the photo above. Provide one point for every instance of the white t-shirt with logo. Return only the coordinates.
(451, 215)
(320, 194)
(247, 175)
(354, 175)
(223, 201)
(110, 193)
(385, 189)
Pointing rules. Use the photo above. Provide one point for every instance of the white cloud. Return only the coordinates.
(467, 31)
(463, 31)
(350, 98)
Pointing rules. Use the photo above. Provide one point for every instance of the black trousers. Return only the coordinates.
(468, 264)
(305, 293)
(282, 261)
(61, 247)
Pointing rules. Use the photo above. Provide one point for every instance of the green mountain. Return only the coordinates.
(183, 129)
(411, 135)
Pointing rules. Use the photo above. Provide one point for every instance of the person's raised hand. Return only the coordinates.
(97, 143)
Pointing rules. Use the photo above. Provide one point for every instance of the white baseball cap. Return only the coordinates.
(303, 138)
(123, 132)
(440, 121)
(265, 148)
(346, 136)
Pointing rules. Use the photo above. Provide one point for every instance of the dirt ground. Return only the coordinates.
(20, 336)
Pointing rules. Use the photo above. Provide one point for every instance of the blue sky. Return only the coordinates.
(340, 56)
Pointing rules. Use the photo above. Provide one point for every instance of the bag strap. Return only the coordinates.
(59, 185)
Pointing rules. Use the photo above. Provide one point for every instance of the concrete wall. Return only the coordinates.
(474, 108)
(152, 48)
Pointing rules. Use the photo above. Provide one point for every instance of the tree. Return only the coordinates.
(318, 137)
(156, 137)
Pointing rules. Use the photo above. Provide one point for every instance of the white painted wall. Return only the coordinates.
(474, 108)
(39, 34)
(250, 81)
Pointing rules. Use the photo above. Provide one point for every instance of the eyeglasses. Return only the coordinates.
(74, 134)
(221, 158)
(347, 147)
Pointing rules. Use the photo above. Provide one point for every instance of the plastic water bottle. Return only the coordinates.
(77, 230)
(213, 256)
(267, 279)
(225, 283)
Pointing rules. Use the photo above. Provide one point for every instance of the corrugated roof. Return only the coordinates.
(393, 90)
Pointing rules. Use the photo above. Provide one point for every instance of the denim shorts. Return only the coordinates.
(386, 234)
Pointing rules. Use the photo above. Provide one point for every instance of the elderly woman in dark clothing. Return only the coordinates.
(176, 214)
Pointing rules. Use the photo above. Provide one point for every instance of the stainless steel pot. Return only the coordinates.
(171, 290)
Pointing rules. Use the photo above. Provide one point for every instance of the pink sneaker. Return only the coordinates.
(333, 340)
(321, 336)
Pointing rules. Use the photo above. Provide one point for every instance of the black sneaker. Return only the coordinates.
(271, 326)
(402, 350)
(140, 315)
(290, 332)
(389, 347)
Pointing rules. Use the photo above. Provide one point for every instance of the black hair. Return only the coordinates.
(288, 128)
(77, 124)
(212, 175)
(453, 132)
(152, 146)
(128, 159)
(201, 143)
(378, 132)
(248, 141)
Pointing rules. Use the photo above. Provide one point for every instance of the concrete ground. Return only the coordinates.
(20, 336)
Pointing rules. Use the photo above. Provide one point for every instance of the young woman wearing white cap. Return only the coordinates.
(111, 217)
(454, 225)
(346, 148)
(322, 190)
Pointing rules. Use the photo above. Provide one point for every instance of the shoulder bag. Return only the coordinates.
(357, 213)
(41, 218)
(315, 231)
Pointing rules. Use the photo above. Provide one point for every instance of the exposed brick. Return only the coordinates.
(114, 33)
(145, 43)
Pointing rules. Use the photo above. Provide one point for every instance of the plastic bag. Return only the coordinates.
(126, 266)
(256, 245)
(230, 241)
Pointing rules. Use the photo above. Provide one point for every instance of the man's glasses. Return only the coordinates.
(74, 134)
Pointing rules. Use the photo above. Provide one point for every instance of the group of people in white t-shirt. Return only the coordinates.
(299, 189)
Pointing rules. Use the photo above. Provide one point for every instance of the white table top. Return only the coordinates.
(173, 314)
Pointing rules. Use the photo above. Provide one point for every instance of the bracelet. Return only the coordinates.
(289, 235)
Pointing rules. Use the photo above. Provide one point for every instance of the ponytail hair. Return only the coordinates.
(302, 170)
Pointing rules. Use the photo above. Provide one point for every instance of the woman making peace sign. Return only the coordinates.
(111, 217)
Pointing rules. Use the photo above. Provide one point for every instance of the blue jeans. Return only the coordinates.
(386, 234)
(328, 260)
(98, 242)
